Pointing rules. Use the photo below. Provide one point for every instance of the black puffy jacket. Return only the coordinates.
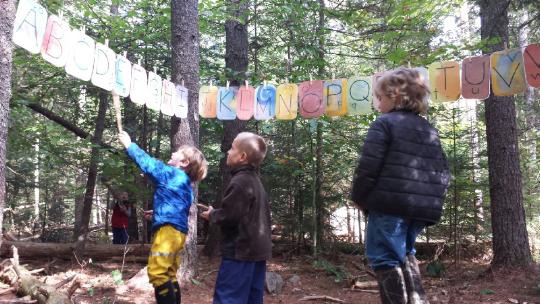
(402, 169)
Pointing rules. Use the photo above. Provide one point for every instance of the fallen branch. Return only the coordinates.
(18, 301)
(368, 284)
(326, 298)
(362, 290)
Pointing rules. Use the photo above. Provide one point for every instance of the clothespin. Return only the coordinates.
(107, 42)
(155, 70)
(61, 14)
(228, 83)
(287, 79)
(409, 64)
(83, 29)
(505, 46)
(139, 61)
(246, 82)
(333, 76)
(211, 82)
(183, 82)
(310, 78)
(125, 54)
(264, 83)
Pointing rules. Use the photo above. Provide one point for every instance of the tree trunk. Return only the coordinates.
(510, 240)
(81, 235)
(185, 66)
(236, 61)
(7, 15)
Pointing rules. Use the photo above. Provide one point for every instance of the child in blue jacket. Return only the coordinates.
(173, 197)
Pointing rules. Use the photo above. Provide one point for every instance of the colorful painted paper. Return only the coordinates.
(104, 67)
(80, 61)
(153, 99)
(245, 102)
(286, 101)
(376, 102)
(265, 102)
(208, 101)
(226, 103)
(122, 84)
(444, 81)
(475, 77)
(29, 26)
(139, 84)
(180, 102)
(54, 48)
(310, 99)
(359, 95)
(531, 59)
(335, 97)
(507, 75)
(167, 96)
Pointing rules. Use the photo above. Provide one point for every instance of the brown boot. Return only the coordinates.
(413, 281)
(392, 286)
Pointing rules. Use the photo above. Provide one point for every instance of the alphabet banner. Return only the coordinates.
(180, 102)
(153, 99)
(167, 96)
(507, 75)
(245, 103)
(80, 61)
(122, 78)
(226, 103)
(139, 83)
(532, 64)
(208, 101)
(104, 67)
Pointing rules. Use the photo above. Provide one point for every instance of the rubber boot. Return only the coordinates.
(392, 286)
(413, 281)
(165, 293)
(177, 292)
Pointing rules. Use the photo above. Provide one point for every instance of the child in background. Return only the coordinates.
(244, 218)
(173, 197)
(120, 218)
(400, 182)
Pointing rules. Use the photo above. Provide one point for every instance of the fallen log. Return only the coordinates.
(65, 250)
(43, 293)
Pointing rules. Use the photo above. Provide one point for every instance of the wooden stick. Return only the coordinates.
(116, 103)
(326, 298)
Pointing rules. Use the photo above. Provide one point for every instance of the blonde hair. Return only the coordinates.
(197, 166)
(253, 145)
(406, 88)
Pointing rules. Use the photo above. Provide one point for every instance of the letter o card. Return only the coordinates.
(80, 60)
(310, 96)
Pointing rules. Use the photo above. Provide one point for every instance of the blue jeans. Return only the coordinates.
(240, 282)
(120, 236)
(389, 239)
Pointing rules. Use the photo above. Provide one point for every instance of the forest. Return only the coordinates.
(62, 168)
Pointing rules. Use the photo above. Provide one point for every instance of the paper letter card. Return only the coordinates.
(167, 96)
(475, 77)
(245, 102)
(208, 101)
(265, 102)
(55, 42)
(335, 97)
(226, 103)
(153, 100)
(104, 66)
(80, 61)
(139, 84)
(507, 76)
(310, 96)
(444, 81)
(359, 96)
(286, 101)
(532, 64)
(180, 102)
(29, 26)
(122, 77)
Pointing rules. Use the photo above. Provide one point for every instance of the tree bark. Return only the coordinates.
(510, 240)
(80, 235)
(236, 62)
(7, 15)
(185, 67)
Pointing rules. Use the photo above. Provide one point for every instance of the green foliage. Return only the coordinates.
(435, 269)
(338, 272)
(117, 277)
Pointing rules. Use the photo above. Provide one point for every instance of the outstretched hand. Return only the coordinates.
(124, 138)
(206, 214)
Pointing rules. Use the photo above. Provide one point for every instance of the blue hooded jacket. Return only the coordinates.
(173, 194)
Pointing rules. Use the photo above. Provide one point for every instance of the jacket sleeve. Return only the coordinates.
(370, 161)
(233, 207)
(150, 166)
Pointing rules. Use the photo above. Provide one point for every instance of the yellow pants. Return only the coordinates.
(164, 258)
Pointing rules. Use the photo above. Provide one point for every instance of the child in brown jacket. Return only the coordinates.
(244, 218)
